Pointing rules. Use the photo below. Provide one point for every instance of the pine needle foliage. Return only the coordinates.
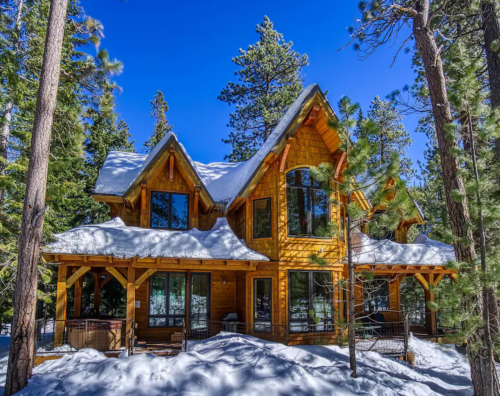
(269, 80)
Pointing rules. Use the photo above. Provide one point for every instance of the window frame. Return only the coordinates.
(309, 213)
(270, 218)
(167, 316)
(171, 193)
(329, 322)
(208, 275)
(254, 319)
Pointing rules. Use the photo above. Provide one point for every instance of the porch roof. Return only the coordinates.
(423, 251)
(114, 238)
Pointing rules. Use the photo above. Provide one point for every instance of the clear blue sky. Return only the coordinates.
(185, 48)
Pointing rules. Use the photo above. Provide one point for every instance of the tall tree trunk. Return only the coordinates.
(23, 322)
(458, 211)
(491, 30)
(350, 276)
(9, 106)
(485, 382)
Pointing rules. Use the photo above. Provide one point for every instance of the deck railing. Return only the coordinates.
(68, 336)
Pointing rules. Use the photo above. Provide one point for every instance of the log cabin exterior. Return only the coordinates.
(169, 196)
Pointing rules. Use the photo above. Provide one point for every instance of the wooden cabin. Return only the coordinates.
(194, 242)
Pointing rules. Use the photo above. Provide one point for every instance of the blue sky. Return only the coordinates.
(185, 48)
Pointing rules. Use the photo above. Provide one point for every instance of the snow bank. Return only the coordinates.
(233, 364)
(114, 238)
(423, 251)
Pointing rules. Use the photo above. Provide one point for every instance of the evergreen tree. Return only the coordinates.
(104, 133)
(362, 172)
(269, 81)
(159, 108)
(392, 135)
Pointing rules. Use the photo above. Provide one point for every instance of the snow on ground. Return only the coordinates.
(234, 364)
(4, 357)
(116, 239)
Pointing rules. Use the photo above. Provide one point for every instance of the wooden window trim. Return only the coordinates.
(310, 283)
(254, 281)
(271, 218)
(309, 212)
(151, 193)
(167, 300)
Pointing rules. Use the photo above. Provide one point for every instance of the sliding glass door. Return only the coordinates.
(199, 308)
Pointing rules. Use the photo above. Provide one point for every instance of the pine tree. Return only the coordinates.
(159, 108)
(269, 81)
(104, 133)
(362, 172)
(392, 135)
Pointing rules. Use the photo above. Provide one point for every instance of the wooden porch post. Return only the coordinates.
(61, 302)
(130, 303)
(97, 292)
(77, 308)
(430, 298)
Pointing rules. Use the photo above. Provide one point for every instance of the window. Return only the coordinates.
(262, 303)
(167, 299)
(308, 205)
(376, 294)
(262, 218)
(311, 301)
(200, 301)
(169, 210)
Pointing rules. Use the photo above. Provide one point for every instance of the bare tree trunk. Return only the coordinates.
(9, 106)
(23, 322)
(458, 211)
(491, 29)
(350, 269)
(485, 382)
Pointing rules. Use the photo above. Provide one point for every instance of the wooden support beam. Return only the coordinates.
(313, 114)
(144, 276)
(339, 165)
(61, 302)
(429, 300)
(113, 271)
(123, 271)
(197, 190)
(143, 220)
(77, 304)
(130, 286)
(438, 278)
(285, 155)
(97, 292)
(420, 278)
(454, 277)
(171, 165)
(73, 278)
(105, 280)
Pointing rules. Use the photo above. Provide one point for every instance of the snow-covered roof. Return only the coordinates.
(423, 251)
(223, 180)
(114, 238)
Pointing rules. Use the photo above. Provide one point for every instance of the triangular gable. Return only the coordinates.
(252, 170)
(123, 173)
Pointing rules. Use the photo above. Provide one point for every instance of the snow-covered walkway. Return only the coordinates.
(233, 364)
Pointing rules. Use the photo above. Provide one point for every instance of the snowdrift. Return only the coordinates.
(233, 364)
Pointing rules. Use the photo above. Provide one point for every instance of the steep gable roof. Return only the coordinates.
(122, 172)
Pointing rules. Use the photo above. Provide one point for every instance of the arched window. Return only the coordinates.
(308, 205)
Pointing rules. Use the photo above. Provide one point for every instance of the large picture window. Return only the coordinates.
(308, 205)
(169, 210)
(311, 301)
(262, 218)
(167, 299)
(376, 294)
